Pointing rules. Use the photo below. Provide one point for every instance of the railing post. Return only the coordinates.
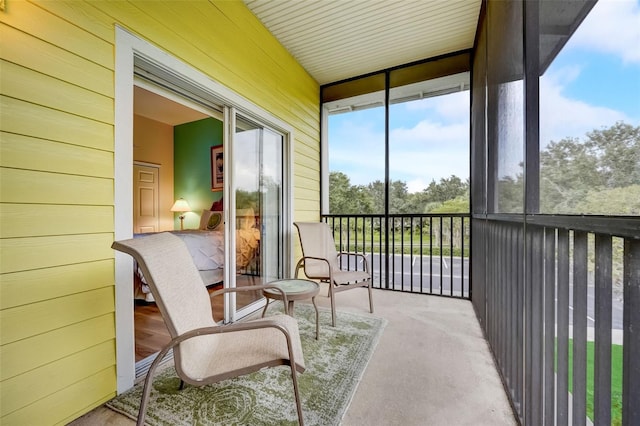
(580, 265)
(602, 355)
(549, 324)
(631, 327)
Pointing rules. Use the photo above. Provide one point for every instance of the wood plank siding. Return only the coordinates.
(57, 304)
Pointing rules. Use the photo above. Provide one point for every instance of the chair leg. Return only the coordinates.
(370, 298)
(146, 390)
(333, 305)
(266, 305)
(294, 378)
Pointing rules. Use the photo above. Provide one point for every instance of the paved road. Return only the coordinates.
(425, 275)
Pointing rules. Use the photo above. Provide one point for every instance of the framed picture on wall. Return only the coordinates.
(217, 168)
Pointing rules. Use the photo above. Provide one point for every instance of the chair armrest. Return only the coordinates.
(362, 255)
(254, 288)
(300, 264)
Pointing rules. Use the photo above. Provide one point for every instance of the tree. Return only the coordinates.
(447, 189)
(345, 198)
(618, 152)
(376, 191)
(398, 196)
(459, 204)
(571, 170)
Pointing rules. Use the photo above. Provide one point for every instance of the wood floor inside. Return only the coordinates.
(151, 334)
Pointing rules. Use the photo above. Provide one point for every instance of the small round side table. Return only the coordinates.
(295, 289)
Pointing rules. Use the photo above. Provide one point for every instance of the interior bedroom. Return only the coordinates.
(178, 187)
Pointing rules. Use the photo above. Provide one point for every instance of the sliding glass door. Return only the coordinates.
(257, 176)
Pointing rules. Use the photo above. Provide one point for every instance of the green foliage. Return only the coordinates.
(246, 199)
(621, 201)
(345, 198)
(594, 176)
(446, 189)
(459, 204)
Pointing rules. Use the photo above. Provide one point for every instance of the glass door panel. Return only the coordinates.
(258, 176)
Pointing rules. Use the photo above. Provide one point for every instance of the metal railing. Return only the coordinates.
(559, 301)
(418, 253)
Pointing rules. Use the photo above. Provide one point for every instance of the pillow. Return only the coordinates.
(215, 219)
(217, 206)
(210, 220)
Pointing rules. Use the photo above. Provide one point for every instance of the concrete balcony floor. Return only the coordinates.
(432, 366)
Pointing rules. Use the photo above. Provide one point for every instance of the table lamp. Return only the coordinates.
(181, 206)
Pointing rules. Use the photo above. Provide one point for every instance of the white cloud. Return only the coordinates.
(612, 26)
(429, 135)
(454, 106)
(429, 151)
(561, 116)
(425, 152)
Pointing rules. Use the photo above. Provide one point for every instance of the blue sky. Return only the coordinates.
(593, 82)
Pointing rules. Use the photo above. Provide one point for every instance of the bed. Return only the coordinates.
(206, 246)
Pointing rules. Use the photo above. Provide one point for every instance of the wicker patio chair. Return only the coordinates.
(205, 352)
(320, 260)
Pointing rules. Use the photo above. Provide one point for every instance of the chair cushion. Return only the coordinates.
(242, 351)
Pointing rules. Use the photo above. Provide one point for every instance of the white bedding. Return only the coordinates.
(206, 249)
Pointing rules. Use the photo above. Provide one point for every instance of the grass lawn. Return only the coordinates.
(616, 380)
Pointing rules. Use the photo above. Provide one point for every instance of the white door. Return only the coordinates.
(145, 199)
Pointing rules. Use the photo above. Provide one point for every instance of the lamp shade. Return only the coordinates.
(181, 205)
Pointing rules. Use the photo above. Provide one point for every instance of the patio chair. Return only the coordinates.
(205, 352)
(320, 260)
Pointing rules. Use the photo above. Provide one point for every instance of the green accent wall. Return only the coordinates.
(192, 167)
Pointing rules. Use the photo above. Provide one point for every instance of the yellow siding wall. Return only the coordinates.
(57, 327)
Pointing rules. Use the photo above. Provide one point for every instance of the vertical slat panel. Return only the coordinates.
(549, 324)
(562, 396)
(519, 315)
(528, 328)
(401, 253)
(462, 234)
(411, 251)
(430, 254)
(421, 255)
(491, 284)
(537, 317)
(512, 277)
(451, 256)
(580, 262)
(392, 271)
(631, 327)
(506, 312)
(441, 247)
(602, 355)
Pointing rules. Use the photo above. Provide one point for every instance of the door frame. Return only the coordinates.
(131, 52)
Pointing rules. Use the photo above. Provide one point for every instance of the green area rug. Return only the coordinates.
(335, 363)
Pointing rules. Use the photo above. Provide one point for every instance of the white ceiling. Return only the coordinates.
(161, 108)
(338, 39)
